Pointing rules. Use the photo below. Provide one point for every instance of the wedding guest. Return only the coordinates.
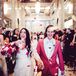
(15, 35)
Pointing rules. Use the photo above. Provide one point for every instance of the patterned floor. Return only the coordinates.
(69, 71)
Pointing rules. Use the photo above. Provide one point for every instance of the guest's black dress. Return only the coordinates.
(1, 70)
(11, 61)
(67, 49)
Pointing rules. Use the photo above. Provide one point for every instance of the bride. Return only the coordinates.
(23, 65)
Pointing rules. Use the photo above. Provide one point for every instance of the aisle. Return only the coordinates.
(69, 71)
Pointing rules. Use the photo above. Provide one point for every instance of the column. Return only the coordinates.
(13, 3)
(74, 13)
(61, 14)
(1, 12)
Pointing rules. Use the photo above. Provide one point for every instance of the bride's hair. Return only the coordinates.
(27, 40)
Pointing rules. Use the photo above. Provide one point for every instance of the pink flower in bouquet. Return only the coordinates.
(7, 49)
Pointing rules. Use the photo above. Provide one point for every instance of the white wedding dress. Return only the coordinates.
(23, 65)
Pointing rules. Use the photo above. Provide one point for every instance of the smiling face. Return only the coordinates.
(17, 31)
(50, 32)
(23, 34)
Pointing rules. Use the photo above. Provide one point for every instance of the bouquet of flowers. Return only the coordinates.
(8, 49)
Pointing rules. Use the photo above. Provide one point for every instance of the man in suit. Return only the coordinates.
(49, 51)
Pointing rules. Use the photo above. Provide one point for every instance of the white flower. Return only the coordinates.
(6, 48)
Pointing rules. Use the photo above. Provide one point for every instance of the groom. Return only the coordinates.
(49, 50)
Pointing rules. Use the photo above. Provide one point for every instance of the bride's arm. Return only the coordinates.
(38, 59)
(15, 42)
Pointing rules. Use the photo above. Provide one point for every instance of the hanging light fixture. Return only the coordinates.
(37, 7)
(5, 7)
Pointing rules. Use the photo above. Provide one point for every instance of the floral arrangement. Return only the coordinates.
(8, 49)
